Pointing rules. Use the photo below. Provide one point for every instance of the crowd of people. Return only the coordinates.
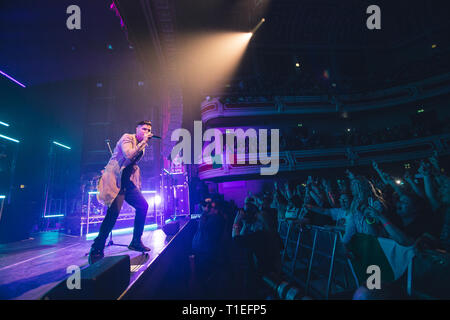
(233, 247)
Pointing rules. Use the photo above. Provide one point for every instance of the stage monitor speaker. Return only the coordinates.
(106, 279)
(171, 228)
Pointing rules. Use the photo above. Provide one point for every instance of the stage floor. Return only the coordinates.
(29, 268)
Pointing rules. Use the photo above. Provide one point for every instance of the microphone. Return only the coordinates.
(109, 146)
(156, 137)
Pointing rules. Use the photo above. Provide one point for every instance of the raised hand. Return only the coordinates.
(326, 184)
(147, 136)
(373, 212)
(350, 175)
(434, 161)
(298, 188)
(407, 176)
(425, 168)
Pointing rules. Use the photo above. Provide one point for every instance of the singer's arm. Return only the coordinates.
(127, 147)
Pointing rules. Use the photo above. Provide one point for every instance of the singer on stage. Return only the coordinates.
(121, 181)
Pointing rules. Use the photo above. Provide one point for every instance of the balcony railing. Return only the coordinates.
(289, 161)
(286, 105)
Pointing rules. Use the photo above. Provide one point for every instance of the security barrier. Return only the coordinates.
(315, 259)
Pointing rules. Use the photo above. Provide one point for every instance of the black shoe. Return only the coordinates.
(95, 255)
(138, 246)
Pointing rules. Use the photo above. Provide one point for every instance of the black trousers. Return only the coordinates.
(131, 194)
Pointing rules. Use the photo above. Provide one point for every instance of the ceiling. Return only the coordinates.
(324, 36)
(36, 47)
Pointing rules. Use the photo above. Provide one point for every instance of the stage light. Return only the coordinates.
(398, 181)
(157, 199)
(348, 129)
(150, 227)
(433, 46)
(2, 196)
(257, 26)
(110, 47)
(4, 124)
(8, 138)
(61, 145)
(12, 79)
(420, 110)
(297, 65)
(54, 216)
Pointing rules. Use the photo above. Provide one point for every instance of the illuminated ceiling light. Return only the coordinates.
(257, 26)
(61, 145)
(8, 138)
(12, 79)
(4, 124)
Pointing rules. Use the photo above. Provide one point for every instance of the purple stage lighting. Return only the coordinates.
(12, 79)
(154, 199)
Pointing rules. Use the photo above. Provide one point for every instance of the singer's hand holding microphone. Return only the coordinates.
(150, 135)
